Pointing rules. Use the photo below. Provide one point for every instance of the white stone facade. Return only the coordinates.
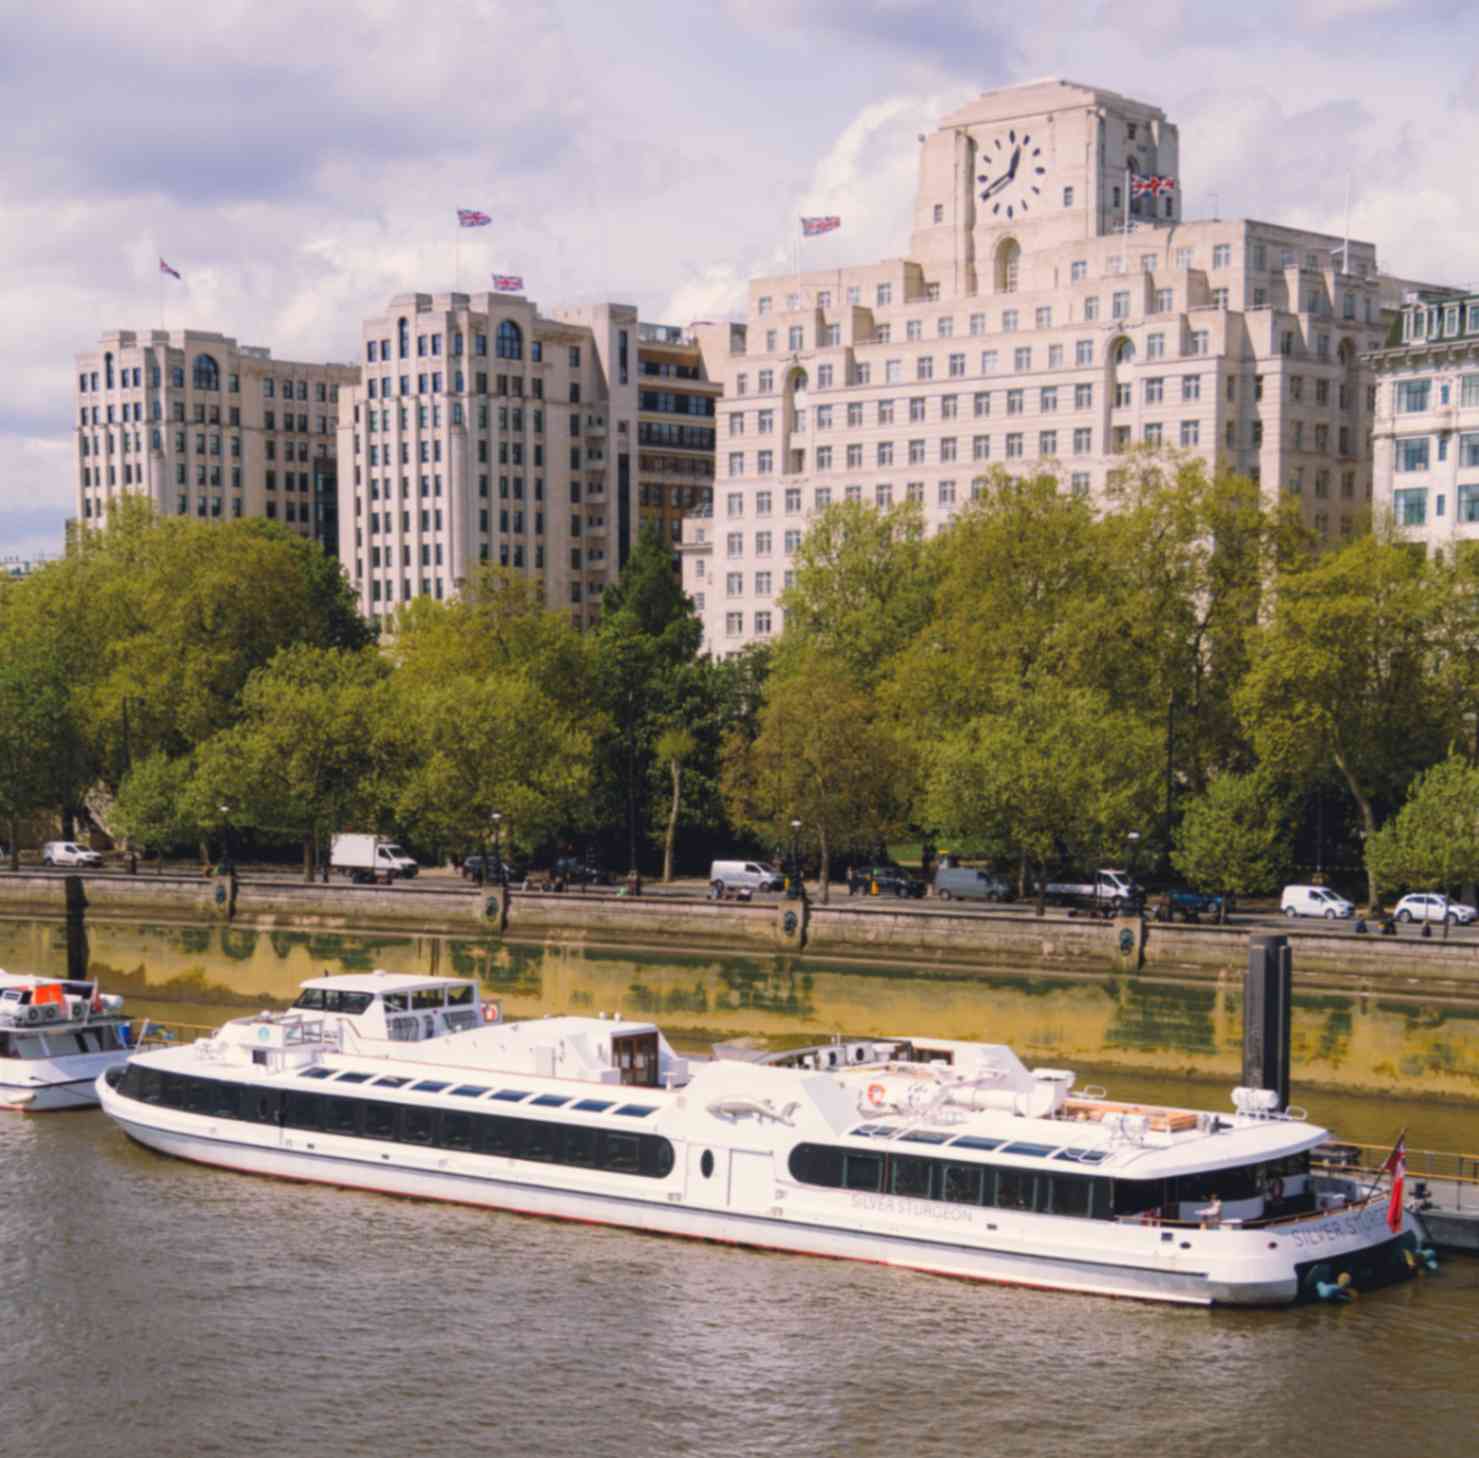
(1426, 443)
(485, 431)
(1031, 330)
(206, 428)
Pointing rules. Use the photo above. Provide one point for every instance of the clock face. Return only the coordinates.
(1012, 175)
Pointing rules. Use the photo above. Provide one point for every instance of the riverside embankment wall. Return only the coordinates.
(925, 936)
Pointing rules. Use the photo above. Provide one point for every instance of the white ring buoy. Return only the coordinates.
(877, 1094)
(1276, 1188)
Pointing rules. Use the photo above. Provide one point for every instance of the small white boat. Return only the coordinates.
(944, 1156)
(56, 1038)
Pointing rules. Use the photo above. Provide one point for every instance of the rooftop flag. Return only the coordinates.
(1151, 186)
(811, 227)
(508, 283)
(165, 268)
(472, 218)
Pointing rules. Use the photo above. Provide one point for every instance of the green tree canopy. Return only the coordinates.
(1234, 837)
(1433, 841)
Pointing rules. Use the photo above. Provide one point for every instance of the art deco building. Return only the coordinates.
(485, 431)
(1426, 443)
(1044, 319)
(207, 428)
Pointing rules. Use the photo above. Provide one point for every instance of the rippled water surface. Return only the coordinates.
(154, 1308)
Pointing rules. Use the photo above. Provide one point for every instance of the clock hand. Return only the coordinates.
(1012, 167)
(996, 186)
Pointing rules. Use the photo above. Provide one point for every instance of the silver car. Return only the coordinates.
(1430, 906)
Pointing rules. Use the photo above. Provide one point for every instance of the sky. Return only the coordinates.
(299, 163)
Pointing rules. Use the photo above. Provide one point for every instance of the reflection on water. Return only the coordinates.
(1192, 1028)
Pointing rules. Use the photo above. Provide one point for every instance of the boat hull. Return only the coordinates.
(48, 1086)
(1127, 1262)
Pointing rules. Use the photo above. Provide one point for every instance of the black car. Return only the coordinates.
(575, 872)
(498, 871)
(890, 881)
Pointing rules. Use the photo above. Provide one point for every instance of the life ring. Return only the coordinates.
(1276, 1188)
(877, 1094)
(490, 1012)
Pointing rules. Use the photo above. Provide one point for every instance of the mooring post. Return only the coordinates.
(76, 929)
(1267, 1014)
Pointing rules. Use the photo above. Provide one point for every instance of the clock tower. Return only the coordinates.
(1028, 167)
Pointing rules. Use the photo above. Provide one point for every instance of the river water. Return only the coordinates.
(150, 1307)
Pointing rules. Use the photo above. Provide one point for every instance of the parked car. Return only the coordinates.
(965, 883)
(889, 881)
(576, 872)
(1314, 901)
(1189, 905)
(727, 876)
(472, 869)
(68, 853)
(1105, 890)
(1430, 906)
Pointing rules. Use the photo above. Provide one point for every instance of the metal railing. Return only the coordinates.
(1458, 1171)
(156, 1033)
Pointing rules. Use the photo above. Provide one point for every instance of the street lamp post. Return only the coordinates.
(794, 889)
(498, 847)
(1133, 838)
(226, 839)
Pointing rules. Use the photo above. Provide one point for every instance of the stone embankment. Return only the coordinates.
(934, 938)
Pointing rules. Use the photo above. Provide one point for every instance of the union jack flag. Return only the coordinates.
(1151, 186)
(810, 227)
(508, 283)
(165, 268)
(472, 218)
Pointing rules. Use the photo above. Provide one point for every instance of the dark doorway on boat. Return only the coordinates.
(635, 1055)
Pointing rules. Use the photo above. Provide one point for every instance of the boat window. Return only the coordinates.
(379, 1119)
(511, 1095)
(551, 1101)
(862, 1171)
(416, 1125)
(469, 1090)
(456, 1131)
(594, 1106)
(1015, 1189)
(925, 1136)
(636, 1111)
(319, 1072)
(460, 996)
(301, 1110)
(539, 1140)
(910, 1176)
(354, 1078)
(817, 1164)
(396, 1001)
(623, 1154)
(961, 1184)
(226, 1101)
(428, 1085)
(874, 1131)
(1037, 1151)
(311, 997)
(976, 1141)
(198, 1096)
(172, 1090)
(386, 1081)
(1136, 1197)
(341, 1116)
(353, 1003)
(1083, 1156)
(1065, 1194)
(500, 1136)
(424, 998)
(580, 1147)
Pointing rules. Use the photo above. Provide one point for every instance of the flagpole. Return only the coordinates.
(1127, 203)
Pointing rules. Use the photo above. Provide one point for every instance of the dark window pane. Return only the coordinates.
(379, 1122)
(416, 1125)
(591, 1106)
(457, 1131)
(620, 1153)
(1014, 1189)
(339, 1116)
(910, 1176)
(962, 1184)
(580, 1147)
(863, 1171)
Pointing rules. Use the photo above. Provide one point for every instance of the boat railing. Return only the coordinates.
(1366, 1161)
(154, 1033)
(1260, 1222)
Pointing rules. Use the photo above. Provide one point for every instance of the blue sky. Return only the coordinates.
(299, 163)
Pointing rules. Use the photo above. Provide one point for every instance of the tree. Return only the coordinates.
(150, 809)
(646, 637)
(35, 733)
(675, 747)
(863, 586)
(1055, 771)
(495, 743)
(297, 760)
(1233, 837)
(1344, 674)
(823, 756)
(1433, 841)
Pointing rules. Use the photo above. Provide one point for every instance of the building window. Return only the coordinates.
(1413, 395)
(1083, 441)
(1412, 453)
(1221, 255)
(1410, 506)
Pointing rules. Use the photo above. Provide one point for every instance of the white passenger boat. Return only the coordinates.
(948, 1157)
(56, 1037)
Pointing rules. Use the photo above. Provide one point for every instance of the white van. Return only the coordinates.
(1314, 901)
(744, 876)
(68, 853)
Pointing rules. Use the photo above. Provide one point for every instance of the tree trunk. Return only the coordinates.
(15, 849)
(826, 868)
(205, 854)
(309, 842)
(1368, 823)
(1042, 890)
(667, 849)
